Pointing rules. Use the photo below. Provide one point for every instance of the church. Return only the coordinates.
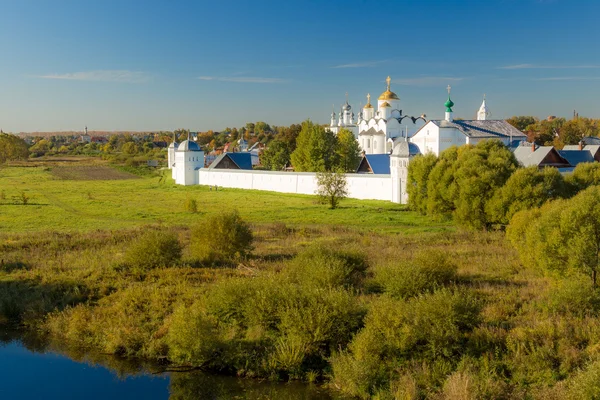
(377, 130)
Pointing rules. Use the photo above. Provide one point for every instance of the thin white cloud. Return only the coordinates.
(534, 66)
(242, 79)
(365, 64)
(427, 81)
(102, 76)
(569, 78)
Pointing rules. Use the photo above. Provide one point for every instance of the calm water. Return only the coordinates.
(33, 370)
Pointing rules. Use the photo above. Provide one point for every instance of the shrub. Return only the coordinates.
(586, 383)
(191, 205)
(574, 295)
(152, 250)
(321, 267)
(426, 272)
(221, 238)
(192, 337)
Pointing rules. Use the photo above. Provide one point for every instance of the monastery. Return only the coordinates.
(388, 138)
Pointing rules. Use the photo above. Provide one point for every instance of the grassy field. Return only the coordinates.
(72, 197)
(372, 299)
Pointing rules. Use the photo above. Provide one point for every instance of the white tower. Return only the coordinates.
(403, 152)
(368, 110)
(189, 158)
(333, 116)
(171, 155)
(483, 113)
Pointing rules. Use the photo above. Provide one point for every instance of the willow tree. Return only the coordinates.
(526, 188)
(480, 171)
(561, 235)
(419, 170)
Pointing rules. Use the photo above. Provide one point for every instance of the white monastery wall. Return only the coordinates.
(374, 187)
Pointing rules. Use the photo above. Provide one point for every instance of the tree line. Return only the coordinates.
(556, 132)
(316, 149)
(552, 219)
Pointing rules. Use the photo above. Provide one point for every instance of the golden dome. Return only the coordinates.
(385, 104)
(368, 105)
(388, 94)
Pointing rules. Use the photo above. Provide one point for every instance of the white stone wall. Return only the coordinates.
(360, 186)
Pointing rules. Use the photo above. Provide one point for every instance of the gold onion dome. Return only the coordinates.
(388, 94)
(368, 105)
(385, 104)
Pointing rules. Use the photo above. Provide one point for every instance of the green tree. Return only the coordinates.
(522, 122)
(545, 131)
(584, 176)
(332, 187)
(348, 151)
(129, 148)
(441, 185)
(561, 235)
(526, 188)
(276, 156)
(12, 148)
(481, 170)
(40, 148)
(315, 149)
(419, 169)
(261, 127)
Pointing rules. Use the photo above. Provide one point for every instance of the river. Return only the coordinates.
(31, 369)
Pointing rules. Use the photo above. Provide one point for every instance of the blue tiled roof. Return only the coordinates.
(575, 157)
(379, 163)
(242, 160)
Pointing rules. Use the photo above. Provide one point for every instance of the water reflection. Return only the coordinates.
(32, 367)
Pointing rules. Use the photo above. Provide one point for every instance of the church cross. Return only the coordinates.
(449, 89)
(368, 98)
(388, 81)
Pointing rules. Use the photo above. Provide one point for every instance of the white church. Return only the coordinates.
(388, 139)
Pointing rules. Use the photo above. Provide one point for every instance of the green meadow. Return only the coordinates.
(63, 199)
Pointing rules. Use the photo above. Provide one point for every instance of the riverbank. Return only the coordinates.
(371, 299)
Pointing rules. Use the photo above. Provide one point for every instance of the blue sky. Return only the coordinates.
(151, 65)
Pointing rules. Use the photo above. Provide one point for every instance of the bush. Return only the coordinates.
(586, 383)
(192, 337)
(321, 267)
(430, 327)
(191, 205)
(426, 272)
(152, 250)
(222, 238)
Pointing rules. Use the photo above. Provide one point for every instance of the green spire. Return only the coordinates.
(449, 103)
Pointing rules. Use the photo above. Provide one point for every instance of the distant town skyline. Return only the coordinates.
(132, 65)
